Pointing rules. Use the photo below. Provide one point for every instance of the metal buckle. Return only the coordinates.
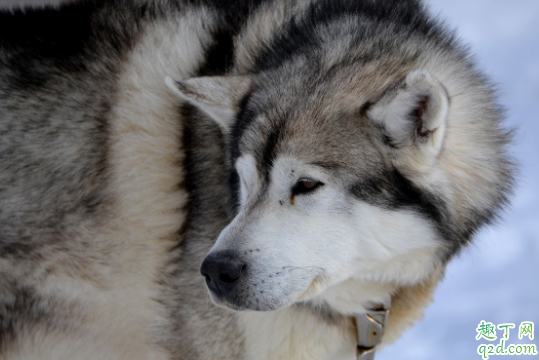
(370, 329)
(365, 354)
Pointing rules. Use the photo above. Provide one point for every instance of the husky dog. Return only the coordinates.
(312, 159)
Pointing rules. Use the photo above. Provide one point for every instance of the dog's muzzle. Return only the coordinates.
(222, 271)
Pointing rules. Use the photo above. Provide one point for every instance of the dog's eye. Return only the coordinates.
(305, 186)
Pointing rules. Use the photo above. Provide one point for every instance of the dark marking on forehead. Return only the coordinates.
(393, 191)
(234, 187)
(244, 119)
(270, 135)
(274, 137)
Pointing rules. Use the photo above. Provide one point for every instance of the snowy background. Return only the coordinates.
(497, 278)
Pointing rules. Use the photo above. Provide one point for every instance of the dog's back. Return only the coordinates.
(91, 202)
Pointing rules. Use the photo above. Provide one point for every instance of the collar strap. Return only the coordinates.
(370, 328)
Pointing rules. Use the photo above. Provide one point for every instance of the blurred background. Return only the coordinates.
(497, 278)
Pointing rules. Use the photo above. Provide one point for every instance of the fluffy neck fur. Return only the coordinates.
(322, 325)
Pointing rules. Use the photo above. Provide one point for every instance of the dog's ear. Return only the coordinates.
(413, 117)
(217, 96)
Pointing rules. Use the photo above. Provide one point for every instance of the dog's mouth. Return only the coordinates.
(252, 302)
(245, 297)
(225, 303)
(236, 285)
(315, 287)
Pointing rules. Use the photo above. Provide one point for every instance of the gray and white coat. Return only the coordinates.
(341, 151)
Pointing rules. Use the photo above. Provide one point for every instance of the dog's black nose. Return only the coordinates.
(222, 270)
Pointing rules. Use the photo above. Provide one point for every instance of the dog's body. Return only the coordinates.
(350, 146)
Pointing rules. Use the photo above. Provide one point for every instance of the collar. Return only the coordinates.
(370, 328)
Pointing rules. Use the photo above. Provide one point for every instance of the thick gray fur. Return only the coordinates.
(60, 81)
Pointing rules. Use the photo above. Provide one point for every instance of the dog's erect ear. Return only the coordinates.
(413, 117)
(217, 96)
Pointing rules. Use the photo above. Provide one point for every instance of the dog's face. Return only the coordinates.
(324, 189)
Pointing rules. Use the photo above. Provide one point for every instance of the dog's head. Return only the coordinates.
(363, 154)
(323, 180)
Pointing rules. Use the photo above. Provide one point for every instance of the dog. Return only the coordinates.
(299, 163)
